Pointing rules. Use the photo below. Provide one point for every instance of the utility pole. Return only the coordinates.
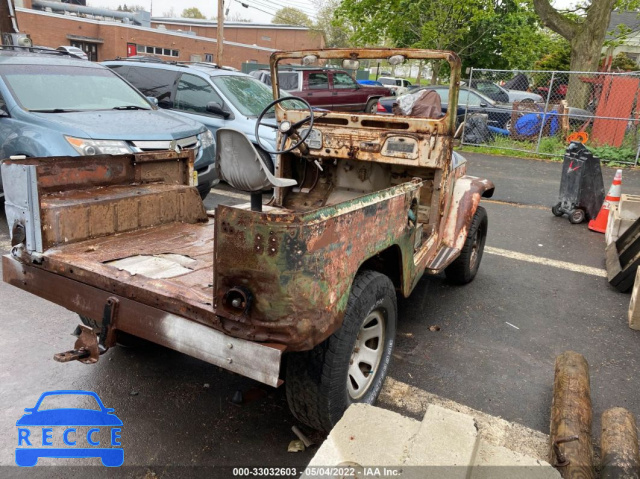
(220, 32)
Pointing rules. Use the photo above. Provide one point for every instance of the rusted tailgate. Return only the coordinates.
(254, 360)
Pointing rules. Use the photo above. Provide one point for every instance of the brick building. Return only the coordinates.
(106, 34)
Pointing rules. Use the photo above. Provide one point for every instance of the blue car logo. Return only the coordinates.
(36, 420)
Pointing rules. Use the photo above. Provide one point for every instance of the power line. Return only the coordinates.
(246, 5)
(306, 10)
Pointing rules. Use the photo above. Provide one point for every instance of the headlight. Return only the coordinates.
(99, 147)
(206, 139)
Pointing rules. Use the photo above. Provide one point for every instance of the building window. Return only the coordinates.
(208, 57)
(166, 52)
(266, 39)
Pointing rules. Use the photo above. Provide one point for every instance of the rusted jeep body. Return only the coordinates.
(126, 242)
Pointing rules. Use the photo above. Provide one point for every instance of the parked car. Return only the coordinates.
(503, 95)
(217, 97)
(287, 80)
(499, 114)
(75, 51)
(397, 85)
(328, 89)
(58, 105)
(369, 82)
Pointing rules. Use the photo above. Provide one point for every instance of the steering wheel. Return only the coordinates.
(285, 128)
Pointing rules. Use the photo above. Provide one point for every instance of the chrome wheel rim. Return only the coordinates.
(366, 355)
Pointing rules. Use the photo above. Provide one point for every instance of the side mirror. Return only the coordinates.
(483, 104)
(166, 104)
(217, 109)
(153, 100)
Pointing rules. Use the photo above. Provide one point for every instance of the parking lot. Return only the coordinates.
(493, 348)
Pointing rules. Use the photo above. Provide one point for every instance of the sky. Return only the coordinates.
(260, 11)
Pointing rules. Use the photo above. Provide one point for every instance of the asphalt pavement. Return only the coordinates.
(494, 349)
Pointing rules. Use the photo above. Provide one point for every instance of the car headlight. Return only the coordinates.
(206, 139)
(99, 147)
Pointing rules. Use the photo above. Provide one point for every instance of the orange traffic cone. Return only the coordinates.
(600, 223)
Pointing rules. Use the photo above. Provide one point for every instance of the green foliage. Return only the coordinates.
(621, 62)
(336, 33)
(192, 12)
(614, 154)
(509, 39)
(558, 57)
(291, 16)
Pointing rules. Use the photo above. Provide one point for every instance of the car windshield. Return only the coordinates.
(247, 94)
(57, 88)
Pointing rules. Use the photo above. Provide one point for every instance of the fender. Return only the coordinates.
(467, 192)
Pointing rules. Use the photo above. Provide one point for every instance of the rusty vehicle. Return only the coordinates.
(363, 206)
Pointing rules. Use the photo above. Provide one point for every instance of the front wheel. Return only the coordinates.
(351, 365)
(555, 209)
(465, 267)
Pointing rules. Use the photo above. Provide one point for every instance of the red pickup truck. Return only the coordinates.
(327, 88)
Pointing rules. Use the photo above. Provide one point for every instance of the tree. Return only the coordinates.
(192, 12)
(170, 14)
(435, 24)
(336, 32)
(291, 16)
(585, 28)
(621, 62)
(510, 39)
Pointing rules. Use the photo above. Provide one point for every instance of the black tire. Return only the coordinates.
(465, 267)
(317, 380)
(555, 209)
(577, 216)
(372, 106)
(266, 157)
(122, 339)
(204, 190)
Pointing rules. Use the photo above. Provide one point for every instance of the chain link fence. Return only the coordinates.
(542, 111)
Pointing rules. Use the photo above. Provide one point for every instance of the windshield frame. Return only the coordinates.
(7, 69)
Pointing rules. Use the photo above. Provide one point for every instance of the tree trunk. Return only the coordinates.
(586, 49)
(586, 38)
(571, 416)
(435, 72)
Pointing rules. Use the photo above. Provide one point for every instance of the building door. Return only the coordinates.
(91, 49)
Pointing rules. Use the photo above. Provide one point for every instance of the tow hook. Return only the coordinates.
(91, 344)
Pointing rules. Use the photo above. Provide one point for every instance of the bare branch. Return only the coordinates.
(555, 20)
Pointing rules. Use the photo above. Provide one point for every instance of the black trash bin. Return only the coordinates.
(581, 187)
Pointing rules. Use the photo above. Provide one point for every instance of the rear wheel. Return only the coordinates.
(465, 267)
(351, 365)
(555, 209)
(372, 106)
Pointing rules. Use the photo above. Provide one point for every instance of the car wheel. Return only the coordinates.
(372, 106)
(351, 365)
(465, 267)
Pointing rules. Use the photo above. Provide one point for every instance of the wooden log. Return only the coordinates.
(619, 444)
(571, 416)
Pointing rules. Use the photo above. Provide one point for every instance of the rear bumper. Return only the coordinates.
(257, 361)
